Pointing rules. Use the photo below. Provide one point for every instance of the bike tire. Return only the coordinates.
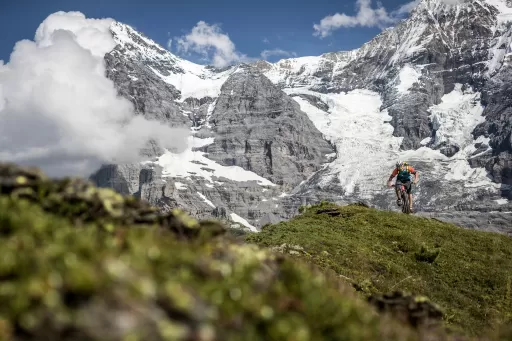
(405, 199)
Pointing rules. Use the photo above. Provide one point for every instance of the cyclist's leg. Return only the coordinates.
(408, 187)
(397, 190)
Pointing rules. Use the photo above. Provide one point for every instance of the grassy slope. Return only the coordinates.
(468, 273)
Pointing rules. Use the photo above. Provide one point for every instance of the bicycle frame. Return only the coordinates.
(405, 198)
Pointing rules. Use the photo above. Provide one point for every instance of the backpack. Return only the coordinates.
(404, 174)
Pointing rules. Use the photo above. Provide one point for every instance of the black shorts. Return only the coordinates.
(407, 184)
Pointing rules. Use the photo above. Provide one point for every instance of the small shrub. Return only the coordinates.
(427, 255)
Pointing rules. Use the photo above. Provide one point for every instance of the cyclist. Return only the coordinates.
(403, 172)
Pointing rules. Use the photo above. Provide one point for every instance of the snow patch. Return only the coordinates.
(501, 201)
(456, 117)
(209, 112)
(196, 84)
(190, 163)
(407, 77)
(180, 186)
(237, 219)
(297, 72)
(425, 141)
(205, 199)
(505, 11)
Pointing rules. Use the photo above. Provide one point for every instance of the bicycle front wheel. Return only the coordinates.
(405, 199)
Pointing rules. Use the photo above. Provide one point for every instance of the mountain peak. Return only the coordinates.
(137, 45)
(503, 7)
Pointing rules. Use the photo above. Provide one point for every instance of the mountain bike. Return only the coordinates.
(406, 208)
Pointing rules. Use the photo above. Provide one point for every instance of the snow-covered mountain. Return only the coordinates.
(266, 138)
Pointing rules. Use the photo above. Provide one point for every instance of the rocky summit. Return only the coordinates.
(266, 138)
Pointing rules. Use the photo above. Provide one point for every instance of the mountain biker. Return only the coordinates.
(403, 171)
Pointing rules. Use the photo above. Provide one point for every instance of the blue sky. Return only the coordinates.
(253, 26)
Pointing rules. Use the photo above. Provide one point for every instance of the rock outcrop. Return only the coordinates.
(259, 128)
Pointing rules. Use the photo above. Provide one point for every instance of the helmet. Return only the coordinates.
(400, 164)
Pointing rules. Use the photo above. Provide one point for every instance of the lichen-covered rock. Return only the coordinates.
(82, 203)
(416, 310)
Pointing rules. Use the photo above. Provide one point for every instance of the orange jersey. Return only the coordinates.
(403, 174)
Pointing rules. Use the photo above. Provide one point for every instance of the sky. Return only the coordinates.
(282, 28)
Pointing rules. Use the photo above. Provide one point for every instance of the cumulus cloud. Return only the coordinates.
(265, 54)
(212, 43)
(408, 8)
(57, 109)
(366, 16)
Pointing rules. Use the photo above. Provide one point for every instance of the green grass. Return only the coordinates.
(468, 273)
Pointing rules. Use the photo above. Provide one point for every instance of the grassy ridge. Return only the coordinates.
(468, 273)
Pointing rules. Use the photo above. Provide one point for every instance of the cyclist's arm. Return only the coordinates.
(395, 173)
(416, 175)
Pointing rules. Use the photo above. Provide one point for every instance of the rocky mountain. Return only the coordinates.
(267, 138)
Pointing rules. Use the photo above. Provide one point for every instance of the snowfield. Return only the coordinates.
(367, 149)
(407, 77)
(237, 219)
(191, 163)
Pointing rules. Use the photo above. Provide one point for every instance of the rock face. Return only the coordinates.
(498, 129)
(259, 128)
(149, 77)
(127, 65)
(267, 138)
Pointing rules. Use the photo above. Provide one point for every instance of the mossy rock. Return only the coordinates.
(82, 203)
(415, 310)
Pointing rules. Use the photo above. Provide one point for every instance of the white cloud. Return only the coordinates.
(214, 45)
(265, 54)
(57, 109)
(169, 44)
(266, 41)
(409, 7)
(366, 16)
